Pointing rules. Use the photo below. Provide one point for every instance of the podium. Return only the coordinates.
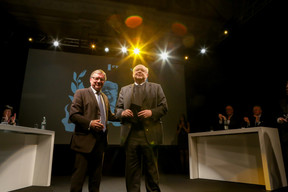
(25, 157)
(247, 155)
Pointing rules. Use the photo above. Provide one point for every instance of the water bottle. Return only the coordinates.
(43, 123)
(226, 124)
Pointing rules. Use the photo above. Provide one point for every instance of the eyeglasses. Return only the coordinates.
(98, 78)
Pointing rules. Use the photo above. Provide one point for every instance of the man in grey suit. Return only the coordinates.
(89, 111)
(140, 107)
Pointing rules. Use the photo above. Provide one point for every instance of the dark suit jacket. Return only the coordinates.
(155, 100)
(264, 121)
(85, 108)
(235, 123)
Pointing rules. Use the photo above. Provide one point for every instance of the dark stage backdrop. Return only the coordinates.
(52, 77)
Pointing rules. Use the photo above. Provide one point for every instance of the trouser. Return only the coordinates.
(139, 152)
(91, 164)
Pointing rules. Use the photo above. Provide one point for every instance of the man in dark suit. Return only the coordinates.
(229, 120)
(89, 111)
(257, 119)
(140, 107)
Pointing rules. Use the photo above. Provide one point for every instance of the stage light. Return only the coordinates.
(93, 46)
(186, 57)
(203, 51)
(226, 32)
(124, 50)
(106, 49)
(30, 39)
(56, 43)
(136, 51)
(164, 56)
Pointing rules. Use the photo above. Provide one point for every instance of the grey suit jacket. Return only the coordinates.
(84, 108)
(155, 100)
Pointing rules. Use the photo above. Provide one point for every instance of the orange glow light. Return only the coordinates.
(133, 21)
(179, 29)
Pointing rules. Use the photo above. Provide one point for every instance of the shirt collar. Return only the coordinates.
(139, 84)
(94, 91)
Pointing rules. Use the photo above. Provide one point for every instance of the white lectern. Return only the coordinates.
(249, 155)
(25, 157)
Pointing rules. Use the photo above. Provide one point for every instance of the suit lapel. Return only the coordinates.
(93, 97)
(128, 96)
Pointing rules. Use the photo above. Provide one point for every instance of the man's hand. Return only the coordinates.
(13, 118)
(6, 118)
(246, 119)
(145, 113)
(222, 117)
(282, 120)
(96, 125)
(127, 113)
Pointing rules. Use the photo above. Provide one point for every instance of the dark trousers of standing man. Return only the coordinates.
(91, 164)
(140, 153)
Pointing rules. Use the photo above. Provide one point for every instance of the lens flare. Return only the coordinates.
(133, 21)
(179, 29)
(136, 51)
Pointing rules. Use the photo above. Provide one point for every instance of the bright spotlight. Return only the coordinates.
(106, 49)
(93, 46)
(164, 55)
(203, 51)
(124, 50)
(136, 51)
(56, 43)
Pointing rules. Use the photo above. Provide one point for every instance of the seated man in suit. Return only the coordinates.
(7, 117)
(257, 119)
(229, 120)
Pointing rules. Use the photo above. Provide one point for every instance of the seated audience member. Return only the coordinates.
(257, 119)
(229, 120)
(7, 117)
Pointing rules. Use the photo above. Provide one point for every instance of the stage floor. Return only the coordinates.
(168, 183)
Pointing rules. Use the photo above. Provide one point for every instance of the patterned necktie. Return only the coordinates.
(102, 111)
